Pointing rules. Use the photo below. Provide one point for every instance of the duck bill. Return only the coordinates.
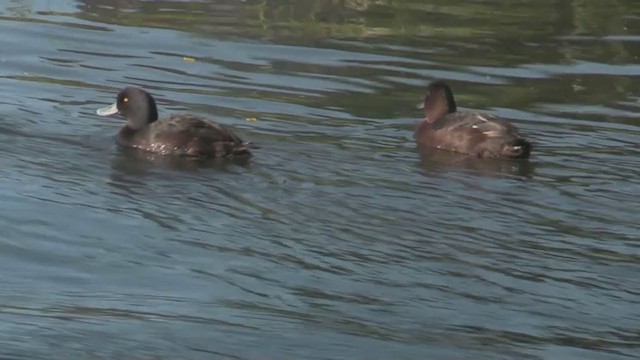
(108, 110)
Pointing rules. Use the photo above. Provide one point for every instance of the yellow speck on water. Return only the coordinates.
(251, 119)
(188, 59)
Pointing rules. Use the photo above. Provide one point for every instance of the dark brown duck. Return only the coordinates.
(182, 135)
(477, 134)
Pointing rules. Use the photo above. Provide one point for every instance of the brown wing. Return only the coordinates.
(488, 125)
(191, 135)
(464, 132)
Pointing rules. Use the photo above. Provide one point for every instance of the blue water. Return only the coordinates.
(337, 240)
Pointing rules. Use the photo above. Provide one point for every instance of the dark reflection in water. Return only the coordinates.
(131, 160)
(434, 160)
(338, 239)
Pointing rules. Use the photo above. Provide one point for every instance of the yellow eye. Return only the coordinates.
(125, 99)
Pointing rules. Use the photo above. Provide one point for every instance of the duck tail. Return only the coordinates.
(517, 149)
(244, 148)
(251, 145)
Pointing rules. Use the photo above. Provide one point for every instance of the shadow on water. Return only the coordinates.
(432, 160)
(132, 161)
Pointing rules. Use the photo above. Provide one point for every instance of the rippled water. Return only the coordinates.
(338, 240)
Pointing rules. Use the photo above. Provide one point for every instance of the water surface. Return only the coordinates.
(337, 240)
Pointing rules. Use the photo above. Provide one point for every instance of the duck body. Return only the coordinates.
(184, 135)
(476, 134)
(179, 135)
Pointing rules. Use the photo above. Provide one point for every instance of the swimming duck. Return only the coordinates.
(477, 134)
(183, 135)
